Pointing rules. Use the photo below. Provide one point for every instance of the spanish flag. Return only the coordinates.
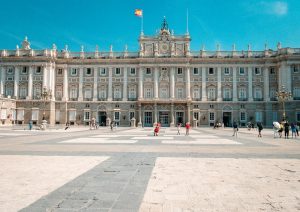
(138, 12)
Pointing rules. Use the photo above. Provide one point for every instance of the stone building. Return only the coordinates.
(164, 82)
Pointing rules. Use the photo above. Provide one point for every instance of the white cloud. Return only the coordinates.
(278, 8)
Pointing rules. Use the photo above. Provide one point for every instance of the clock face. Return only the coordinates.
(164, 47)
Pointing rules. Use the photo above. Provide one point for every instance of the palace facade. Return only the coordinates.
(163, 82)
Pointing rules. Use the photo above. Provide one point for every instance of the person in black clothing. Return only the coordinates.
(260, 128)
(286, 129)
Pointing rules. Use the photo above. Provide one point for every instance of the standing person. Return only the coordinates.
(293, 128)
(297, 128)
(30, 125)
(178, 128)
(156, 130)
(111, 125)
(260, 128)
(187, 128)
(67, 125)
(280, 130)
(235, 129)
(286, 129)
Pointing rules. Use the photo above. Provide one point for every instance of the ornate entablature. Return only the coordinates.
(165, 43)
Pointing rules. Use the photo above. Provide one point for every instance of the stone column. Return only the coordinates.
(155, 113)
(141, 83)
(204, 93)
(188, 83)
(53, 83)
(172, 124)
(172, 83)
(219, 72)
(250, 91)
(140, 116)
(95, 86)
(125, 83)
(80, 88)
(45, 76)
(66, 85)
(2, 82)
(266, 84)
(16, 82)
(110, 70)
(156, 83)
(189, 113)
(29, 95)
(234, 84)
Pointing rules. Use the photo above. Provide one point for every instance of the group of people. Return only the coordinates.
(179, 125)
(286, 127)
(258, 124)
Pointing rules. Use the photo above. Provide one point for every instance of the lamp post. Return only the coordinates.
(45, 96)
(283, 95)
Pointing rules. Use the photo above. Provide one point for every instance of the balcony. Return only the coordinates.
(243, 99)
(258, 99)
(87, 99)
(132, 99)
(117, 99)
(227, 99)
(102, 99)
(73, 99)
(211, 99)
(196, 99)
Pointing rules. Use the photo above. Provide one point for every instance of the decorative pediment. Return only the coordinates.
(227, 108)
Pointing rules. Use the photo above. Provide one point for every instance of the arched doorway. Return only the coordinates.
(227, 116)
(102, 115)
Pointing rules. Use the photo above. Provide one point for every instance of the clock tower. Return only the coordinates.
(164, 43)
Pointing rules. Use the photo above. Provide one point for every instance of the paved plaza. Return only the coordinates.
(129, 169)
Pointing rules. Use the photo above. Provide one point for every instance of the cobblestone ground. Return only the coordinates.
(132, 170)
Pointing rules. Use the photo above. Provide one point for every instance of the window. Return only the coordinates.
(132, 93)
(179, 71)
(132, 71)
(296, 92)
(35, 115)
(131, 115)
(258, 93)
(242, 106)
(38, 70)
(37, 91)
(211, 93)
(242, 93)
(226, 71)
(88, 93)
(295, 69)
(211, 71)
(148, 70)
(102, 94)
(88, 71)
(20, 114)
(227, 93)
(59, 71)
(118, 71)
(72, 115)
(24, 70)
(86, 115)
(272, 70)
(163, 93)
(3, 113)
(196, 93)
(148, 93)
(211, 106)
(196, 106)
(73, 71)
(179, 93)
(273, 93)
(117, 106)
(258, 116)
(10, 71)
(132, 106)
(102, 71)
(196, 71)
(57, 115)
(243, 116)
(257, 71)
(73, 92)
(117, 116)
(117, 93)
(9, 91)
(196, 115)
(211, 116)
(242, 70)
(23, 92)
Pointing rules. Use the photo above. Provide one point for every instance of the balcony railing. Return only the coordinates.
(73, 99)
(102, 99)
(196, 99)
(87, 99)
(211, 99)
(117, 99)
(243, 99)
(132, 99)
(258, 99)
(227, 99)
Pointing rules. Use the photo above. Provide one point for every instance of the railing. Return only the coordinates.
(132, 99)
(196, 99)
(102, 99)
(87, 99)
(227, 99)
(258, 99)
(243, 99)
(211, 99)
(117, 99)
(73, 99)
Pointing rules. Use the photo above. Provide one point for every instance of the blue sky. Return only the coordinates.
(112, 22)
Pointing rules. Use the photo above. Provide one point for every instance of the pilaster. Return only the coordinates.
(80, 90)
(250, 79)
(219, 75)
(234, 84)
(141, 83)
(188, 83)
(204, 92)
(172, 83)
(95, 85)
(66, 85)
(29, 95)
(125, 84)
(110, 70)
(266, 84)
(16, 81)
(156, 83)
(2, 81)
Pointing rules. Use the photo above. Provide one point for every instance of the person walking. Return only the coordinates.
(67, 125)
(178, 128)
(30, 125)
(156, 130)
(286, 129)
(260, 128)
(235, 129)
(293, 128)
(187, 128)
(280, 130)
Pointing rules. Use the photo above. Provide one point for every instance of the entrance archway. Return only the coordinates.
(227, 116)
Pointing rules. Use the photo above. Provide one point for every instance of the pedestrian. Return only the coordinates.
(178, 128)
(156, 130)
(280, 130)
(30, 125)
(112, 125)
(260, 128)
(235, 129)
(293, 128)
(187, 128)
(286, 129)
(297, 128)
(67, 125)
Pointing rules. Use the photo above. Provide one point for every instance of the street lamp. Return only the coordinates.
(283, 95)
(46, 95)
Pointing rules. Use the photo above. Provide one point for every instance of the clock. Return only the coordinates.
(164, 47)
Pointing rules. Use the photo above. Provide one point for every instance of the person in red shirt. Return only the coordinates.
(187, 128)
(156, 130)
